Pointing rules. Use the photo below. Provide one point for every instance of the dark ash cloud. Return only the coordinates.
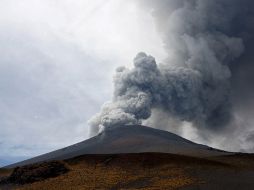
(209, 45)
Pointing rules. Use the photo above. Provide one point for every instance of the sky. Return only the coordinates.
(57, 59)
(203, 90)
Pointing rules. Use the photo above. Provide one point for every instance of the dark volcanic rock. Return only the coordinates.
(36, 172)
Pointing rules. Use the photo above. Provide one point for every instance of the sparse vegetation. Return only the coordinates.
(116, 175)
(147, 171)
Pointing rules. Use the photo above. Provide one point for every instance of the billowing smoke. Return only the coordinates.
(206, 41)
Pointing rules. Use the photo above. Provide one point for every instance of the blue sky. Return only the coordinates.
(57, 59)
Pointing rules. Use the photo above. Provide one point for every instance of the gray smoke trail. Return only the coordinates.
(205, 40)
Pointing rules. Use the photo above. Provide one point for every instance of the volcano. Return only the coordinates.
(129, 139)
(133, 157)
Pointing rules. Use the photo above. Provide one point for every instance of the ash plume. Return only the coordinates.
(207, 42)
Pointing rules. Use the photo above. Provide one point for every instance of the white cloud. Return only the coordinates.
(56, 63)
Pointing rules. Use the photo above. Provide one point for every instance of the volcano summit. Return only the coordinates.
(129, 139)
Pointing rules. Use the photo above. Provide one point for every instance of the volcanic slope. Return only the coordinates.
(129, 139)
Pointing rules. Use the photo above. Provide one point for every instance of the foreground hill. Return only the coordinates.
(129, 139)
(150, 171)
